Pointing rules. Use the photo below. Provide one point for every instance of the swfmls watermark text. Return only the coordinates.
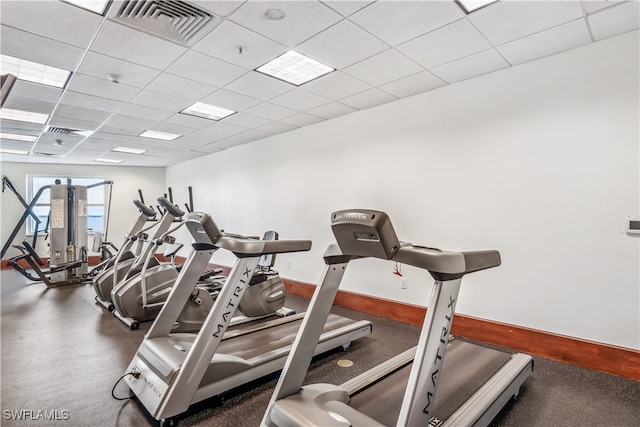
(35, 415)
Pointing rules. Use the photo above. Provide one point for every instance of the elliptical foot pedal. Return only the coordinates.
(284, 312)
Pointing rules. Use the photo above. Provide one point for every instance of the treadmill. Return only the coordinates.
(171, 371)
(473, 382)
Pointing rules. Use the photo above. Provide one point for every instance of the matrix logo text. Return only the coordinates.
(36, 415)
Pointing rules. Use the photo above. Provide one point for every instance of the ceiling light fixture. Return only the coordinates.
(34, 72)
(7, 151)
(109, 161)
(97, 6)
(469, 6)
(200, 109)
(159, 135)
(23, 116)
(294, 68)
(16, 137)
(129, 150)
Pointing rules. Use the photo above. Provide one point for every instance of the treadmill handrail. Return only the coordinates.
(446, 265)
(251, 247)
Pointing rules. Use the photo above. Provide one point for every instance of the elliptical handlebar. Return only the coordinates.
(170, 207)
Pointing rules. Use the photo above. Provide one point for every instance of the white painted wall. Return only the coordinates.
(127, 181)
(539, 161)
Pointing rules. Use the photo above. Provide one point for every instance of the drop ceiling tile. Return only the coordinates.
(471, 66)
(110, 137)
(230, 100)
(100, 87)
(336, 85)
(29, 104)
(11, 126)
(219, 7)
(254, 134)
(180, 87)
(591, 6)
(332, 110)
(231, 142)
(26, 89)
(367, 99)
(302, 20)
(85, 114)
(246, 120)
(257, 85)
(545, 43)
(125, 125)
(413, 84)
(383, 68)
(225, 128)
(135, 46)
(143, 112)
(225, 41)
(130, 74)
(276, 127)
(445, 44)
(149, 98)
(342, 45)
(205, 69)
(49, 52)
(207, 136)
(396, 22)
(9, 144)
(52, 19)
(302, 119)
(270, 111)
(521, 18)
(616, 20)
(347, 7)
(300, 100)
(88, 101)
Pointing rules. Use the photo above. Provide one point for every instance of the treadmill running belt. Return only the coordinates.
(465, 369)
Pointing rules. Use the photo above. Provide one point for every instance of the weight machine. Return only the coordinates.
(67, 224)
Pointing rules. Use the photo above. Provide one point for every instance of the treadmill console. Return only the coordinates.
(202, 228)
(366, 233)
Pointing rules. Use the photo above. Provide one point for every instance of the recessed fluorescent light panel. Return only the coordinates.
(33, 72)
(159, 135)
(295, 68)
(23, 116)
(7, 151)
(108, 161)
(16, 137)
(469, 6)
(129, 150)
(97, 6)
(200, 109)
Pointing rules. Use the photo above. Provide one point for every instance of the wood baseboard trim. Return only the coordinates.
(606, 358)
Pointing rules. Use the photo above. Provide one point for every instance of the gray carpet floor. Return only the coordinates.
(62, 353)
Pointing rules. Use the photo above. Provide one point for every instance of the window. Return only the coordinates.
(96, 197)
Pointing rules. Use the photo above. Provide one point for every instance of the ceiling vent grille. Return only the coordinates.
(176, 21)
(67, 131)
(40, 153)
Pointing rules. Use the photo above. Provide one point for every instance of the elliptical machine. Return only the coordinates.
(115, 271)
(143, 291)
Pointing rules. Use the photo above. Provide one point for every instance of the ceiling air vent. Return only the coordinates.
(176, 21)
(39, 153)
(67, 131)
